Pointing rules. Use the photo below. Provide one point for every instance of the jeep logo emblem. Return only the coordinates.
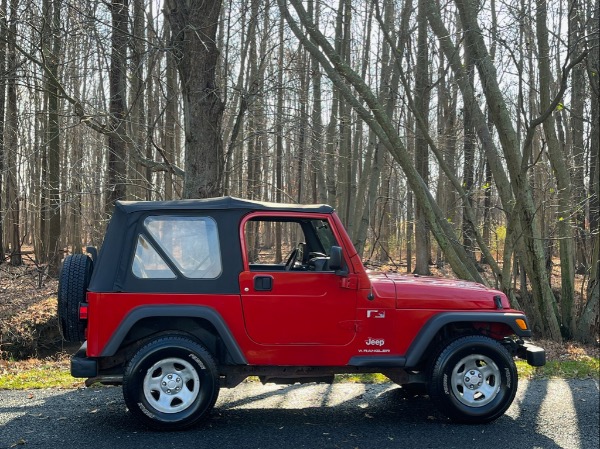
(375, 341)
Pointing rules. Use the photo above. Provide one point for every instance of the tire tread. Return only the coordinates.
(73, 283)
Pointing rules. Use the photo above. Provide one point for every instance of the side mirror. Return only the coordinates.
(336, 261)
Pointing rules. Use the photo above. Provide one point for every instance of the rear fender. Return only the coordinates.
(171, 311)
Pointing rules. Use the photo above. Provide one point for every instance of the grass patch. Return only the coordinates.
(35, 374)
(370, 378)
(586, 368)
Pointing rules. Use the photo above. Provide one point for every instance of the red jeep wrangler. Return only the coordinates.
(187, 296)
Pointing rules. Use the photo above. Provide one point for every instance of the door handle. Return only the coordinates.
(263, 283)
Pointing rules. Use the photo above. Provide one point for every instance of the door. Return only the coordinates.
(296, 300)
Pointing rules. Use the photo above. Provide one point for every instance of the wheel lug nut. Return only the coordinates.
(170, 376)
(467, 379)
(471, 387)
(472, 373)
(169, 391)
(164, 384)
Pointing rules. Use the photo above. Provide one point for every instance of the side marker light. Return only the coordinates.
(521, 323)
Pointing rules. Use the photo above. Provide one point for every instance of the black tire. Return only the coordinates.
(171, 383)
(72, 286)
(473, 380)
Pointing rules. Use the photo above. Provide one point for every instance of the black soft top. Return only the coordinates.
(112, 271)
(225, 202)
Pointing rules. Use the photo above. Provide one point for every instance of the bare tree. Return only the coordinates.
(382, 125)
(117, 144)
(52, 139)
(11, 141)
(3, 38)
(422, 98)
(193, 35)
(588, 323)
(563, 177)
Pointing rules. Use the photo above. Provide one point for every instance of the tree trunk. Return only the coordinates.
(171, 113)
(577, 125)
(53, 51)
(137, 172)
(279, 140)
(422, 97)
(3, 37)
(468, 231)
(303, 76)
(117, 147)
(11, 143)
(316, 137)
(193, 33)
(563, 178)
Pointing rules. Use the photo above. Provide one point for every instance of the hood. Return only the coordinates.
(421, 292)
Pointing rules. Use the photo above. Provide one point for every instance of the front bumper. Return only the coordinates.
(81, 365)
(534, 355)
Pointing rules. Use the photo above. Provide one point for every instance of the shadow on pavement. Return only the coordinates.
(297, 416)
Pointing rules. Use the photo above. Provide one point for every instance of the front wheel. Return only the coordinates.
(171, 383)
(473, 380)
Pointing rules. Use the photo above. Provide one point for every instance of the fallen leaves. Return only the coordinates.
(28, 318)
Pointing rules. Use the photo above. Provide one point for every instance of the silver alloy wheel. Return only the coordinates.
(475, 380)
(171, 385)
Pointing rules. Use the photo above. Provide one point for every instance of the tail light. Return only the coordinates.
(83, 311)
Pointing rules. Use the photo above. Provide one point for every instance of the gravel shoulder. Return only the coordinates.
(546, 414)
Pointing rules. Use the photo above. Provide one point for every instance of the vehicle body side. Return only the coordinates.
(308, 319)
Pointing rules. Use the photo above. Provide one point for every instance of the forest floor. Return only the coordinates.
(30, 337)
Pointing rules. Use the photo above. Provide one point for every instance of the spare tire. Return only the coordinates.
(72, 287)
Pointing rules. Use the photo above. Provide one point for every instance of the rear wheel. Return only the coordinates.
(72, 287)
(171, 383)
(473, 380)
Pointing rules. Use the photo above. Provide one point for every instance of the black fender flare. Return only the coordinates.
(173, 311)
(435, 324)
(421, 342)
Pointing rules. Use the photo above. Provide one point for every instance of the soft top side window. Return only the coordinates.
(190, 243)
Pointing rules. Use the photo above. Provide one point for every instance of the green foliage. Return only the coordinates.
(501, 233)
(497, 243)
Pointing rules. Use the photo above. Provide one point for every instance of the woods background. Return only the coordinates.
(461, 134)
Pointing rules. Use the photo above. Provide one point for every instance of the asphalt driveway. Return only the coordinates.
(546, 414)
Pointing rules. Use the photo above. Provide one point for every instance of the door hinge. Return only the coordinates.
(350, 283)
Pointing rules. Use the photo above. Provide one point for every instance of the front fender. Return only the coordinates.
(435, 324)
